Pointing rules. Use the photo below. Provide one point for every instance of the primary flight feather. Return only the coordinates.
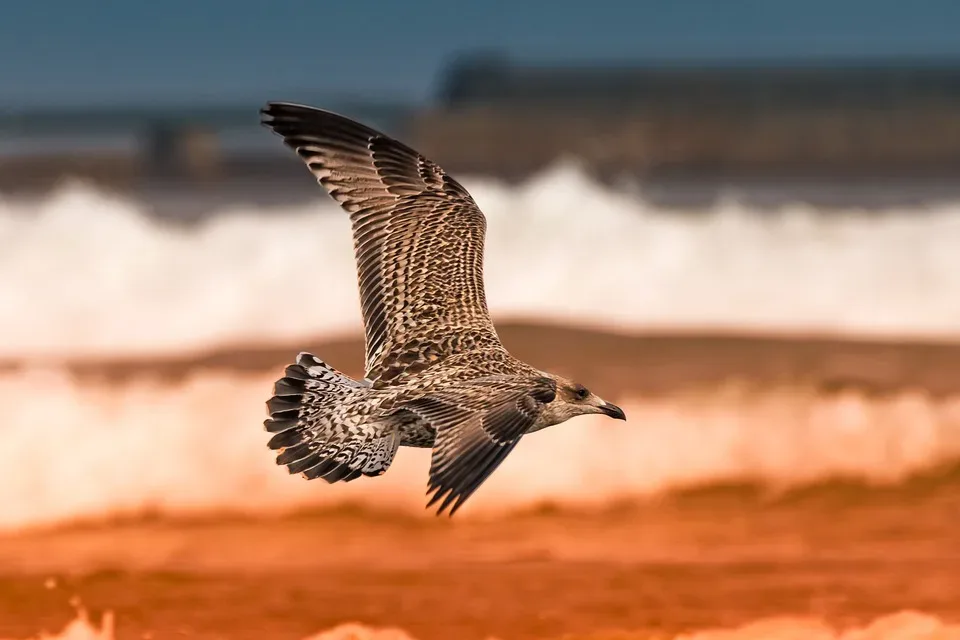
(436, 373)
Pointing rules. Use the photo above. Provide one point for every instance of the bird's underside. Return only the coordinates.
(436, 374)
(327, 425)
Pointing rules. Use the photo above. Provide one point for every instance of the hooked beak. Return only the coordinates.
(613, 411)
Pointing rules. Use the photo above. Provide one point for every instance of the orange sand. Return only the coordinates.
(717, 558)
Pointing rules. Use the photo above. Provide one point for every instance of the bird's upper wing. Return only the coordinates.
(478, 423)
(418, 238)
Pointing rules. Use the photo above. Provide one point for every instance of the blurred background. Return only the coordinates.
(739, 220)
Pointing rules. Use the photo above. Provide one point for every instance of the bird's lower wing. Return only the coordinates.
(478, 424)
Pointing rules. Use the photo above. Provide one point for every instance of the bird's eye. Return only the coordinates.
(581, 392)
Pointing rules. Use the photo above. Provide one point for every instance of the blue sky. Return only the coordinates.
(179, 51)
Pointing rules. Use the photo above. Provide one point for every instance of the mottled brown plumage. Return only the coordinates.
(436, 373)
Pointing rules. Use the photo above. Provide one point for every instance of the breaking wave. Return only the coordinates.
(86, 273)
(86, 450)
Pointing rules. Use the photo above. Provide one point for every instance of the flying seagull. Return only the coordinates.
(436, 373)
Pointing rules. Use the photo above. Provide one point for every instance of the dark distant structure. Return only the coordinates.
(491, 80)
(876, 117)
(711, 123)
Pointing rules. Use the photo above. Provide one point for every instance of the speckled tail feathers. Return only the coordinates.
(313, 434)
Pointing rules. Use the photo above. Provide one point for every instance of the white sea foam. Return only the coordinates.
(86, 450)
(903, 625)
(84, 273)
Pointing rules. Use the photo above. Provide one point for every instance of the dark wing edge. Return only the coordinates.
(301, 126)
(472, 441)
(368, 173)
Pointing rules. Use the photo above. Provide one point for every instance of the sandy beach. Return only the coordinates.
(720, 558)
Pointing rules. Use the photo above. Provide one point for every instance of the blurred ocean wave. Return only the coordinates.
(86, 273)
(87, 450)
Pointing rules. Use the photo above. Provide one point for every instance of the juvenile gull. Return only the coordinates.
(436, 373)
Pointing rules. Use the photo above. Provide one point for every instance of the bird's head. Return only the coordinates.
(573, 399)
